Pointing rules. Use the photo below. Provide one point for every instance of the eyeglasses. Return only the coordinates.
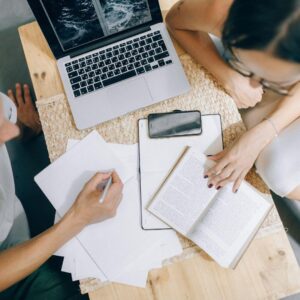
(240, 68)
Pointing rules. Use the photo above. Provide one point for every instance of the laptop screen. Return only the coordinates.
(79, 22)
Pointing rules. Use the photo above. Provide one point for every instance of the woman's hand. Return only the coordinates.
(233, 164)
(240, 89)
(87, 209)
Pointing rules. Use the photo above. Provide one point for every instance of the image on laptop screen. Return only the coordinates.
(78, 22)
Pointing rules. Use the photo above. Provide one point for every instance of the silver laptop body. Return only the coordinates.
(130, 71)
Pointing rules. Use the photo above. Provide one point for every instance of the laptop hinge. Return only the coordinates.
(109, 41)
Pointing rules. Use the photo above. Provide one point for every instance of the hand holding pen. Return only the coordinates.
(99, 199)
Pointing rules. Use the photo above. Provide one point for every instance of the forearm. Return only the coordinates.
(288, 109)
(18, 262)
(200, 46)
(284, 114)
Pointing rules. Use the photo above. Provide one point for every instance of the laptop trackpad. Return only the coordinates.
(129, 95)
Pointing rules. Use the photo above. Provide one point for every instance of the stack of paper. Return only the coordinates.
(117, 249)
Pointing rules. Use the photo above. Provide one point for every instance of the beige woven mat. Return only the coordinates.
(205, 95)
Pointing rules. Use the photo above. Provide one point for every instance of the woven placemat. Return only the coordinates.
(205, 95)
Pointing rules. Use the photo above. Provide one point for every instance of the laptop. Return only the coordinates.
(113, 56)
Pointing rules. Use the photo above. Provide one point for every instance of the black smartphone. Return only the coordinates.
(177, 123)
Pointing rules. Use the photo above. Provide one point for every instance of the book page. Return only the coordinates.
(185, 196)
(229, 223)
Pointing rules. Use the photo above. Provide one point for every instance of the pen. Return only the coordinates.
(107, 185)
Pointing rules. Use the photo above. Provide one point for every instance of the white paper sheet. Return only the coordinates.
(127, 155)
(79, 263)
(81, 266)
(76, 260)
(115, 243)
(75, 168)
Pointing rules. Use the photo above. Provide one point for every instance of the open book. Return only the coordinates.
(222, 223)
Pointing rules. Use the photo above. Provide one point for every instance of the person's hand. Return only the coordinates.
(233, 164)
(27, 114)
(240, 89)
(87, 209)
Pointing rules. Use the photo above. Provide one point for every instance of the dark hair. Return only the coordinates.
(272, 25)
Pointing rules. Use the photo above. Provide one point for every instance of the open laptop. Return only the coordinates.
(114, 56)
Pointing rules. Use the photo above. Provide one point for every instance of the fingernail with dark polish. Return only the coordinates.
(236, 191)
(209, 155)
(205, 176)
(210, 185)
(218, 187)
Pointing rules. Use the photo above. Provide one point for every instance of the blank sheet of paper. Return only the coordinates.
(115, 243)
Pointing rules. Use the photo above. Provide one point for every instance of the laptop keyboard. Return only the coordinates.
(134, 57)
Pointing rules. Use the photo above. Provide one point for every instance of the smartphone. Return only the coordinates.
(177, 123)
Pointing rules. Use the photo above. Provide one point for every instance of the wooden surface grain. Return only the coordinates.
(267, 271)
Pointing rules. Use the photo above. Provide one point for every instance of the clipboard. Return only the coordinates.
(157, 156)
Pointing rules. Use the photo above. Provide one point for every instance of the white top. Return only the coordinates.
(7, 194)
(10, 206)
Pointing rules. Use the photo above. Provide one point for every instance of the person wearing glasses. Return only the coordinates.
(258, 64)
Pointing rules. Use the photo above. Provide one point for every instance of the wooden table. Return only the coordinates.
(267, 271)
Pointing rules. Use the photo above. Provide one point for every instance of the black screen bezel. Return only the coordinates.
(54, 43)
